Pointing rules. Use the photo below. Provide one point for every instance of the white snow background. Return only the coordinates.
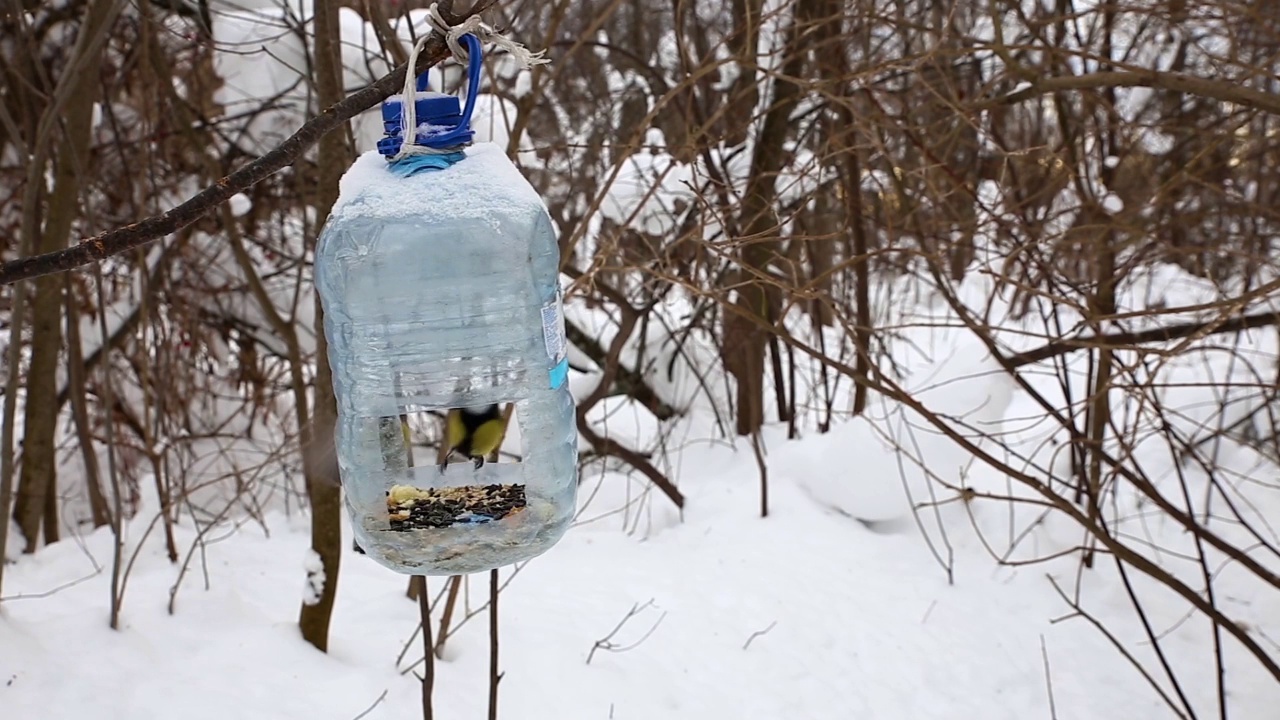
(839, 604)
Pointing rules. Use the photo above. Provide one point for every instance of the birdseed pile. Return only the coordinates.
(411, 508)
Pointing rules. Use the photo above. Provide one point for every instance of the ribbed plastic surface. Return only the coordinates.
(441, 290)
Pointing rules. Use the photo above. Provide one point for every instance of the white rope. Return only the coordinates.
(452, 36)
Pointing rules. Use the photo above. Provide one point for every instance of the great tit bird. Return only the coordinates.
(474, 433)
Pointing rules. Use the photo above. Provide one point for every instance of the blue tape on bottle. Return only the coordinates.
(414, 164)
(559, 374)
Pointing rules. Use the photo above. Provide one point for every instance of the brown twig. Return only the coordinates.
(625, 379)
(757, 634)
(1142, 337)
(609, 446)
(1233, 92)
(1048, 680)
(762, 466)
(446, 616)
(429, 665)
(370, 709)
(606, 642)
(494, 675)
(1078, 611)
(117, 491)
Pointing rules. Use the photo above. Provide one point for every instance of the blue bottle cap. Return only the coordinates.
(439, 118)
(442, 121)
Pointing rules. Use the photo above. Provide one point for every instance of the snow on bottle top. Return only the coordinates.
(482, 185)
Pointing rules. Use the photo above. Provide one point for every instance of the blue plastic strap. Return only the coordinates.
(475, 57)
(439, 110)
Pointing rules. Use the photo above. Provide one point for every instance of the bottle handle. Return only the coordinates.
(475, 57)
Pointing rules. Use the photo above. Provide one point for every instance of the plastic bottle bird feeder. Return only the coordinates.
(438, 272)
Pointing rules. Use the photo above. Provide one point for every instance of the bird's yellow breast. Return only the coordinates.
(487, 437)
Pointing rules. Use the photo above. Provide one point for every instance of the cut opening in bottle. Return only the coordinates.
(471, 481)
(469, 502)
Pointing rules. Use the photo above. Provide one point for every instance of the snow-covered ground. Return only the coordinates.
(808, 613)
(851, 623)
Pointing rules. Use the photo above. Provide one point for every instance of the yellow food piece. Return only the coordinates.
(405, 494)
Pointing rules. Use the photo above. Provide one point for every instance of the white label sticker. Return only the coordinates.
(553, 329)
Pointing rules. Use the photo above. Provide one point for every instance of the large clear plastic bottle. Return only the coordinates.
(441, 290)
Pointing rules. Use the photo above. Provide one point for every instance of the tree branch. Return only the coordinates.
(1176, 82)
(1160, 334)
(135, 235)
(609, 446)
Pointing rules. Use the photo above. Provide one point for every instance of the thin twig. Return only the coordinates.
(494, 676)
(1127, 339)
(1233, 92)
(54, 590)
(606, 642)
(1151, 636)
(757, 634)
(1048, 680)
(408, 643)
(608, 446)
(429, 668)
(762, 467)
(446, 616)
(117, 525)
(1119, 646)
(375, 704)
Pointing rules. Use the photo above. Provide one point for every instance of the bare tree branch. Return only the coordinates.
(1177, 82)
(1154, 335)
(609, 446)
